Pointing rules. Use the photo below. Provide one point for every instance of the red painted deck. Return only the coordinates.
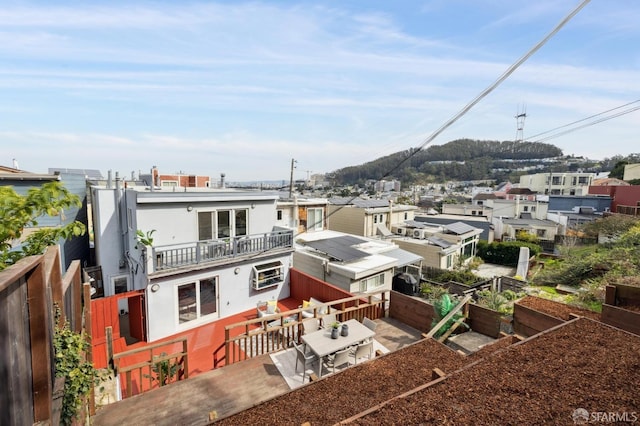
(205, 344)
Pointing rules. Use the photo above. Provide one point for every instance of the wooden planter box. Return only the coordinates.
(527, 321)
(618, 316)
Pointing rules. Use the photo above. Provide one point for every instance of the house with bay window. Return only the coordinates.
(180, 259)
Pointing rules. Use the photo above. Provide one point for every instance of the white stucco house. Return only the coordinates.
(353, 263)
(214, 253)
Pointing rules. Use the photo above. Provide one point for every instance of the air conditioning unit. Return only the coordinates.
(419, 233)
(397, 230)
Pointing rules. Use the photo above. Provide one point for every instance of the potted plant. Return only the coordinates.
(335, 327)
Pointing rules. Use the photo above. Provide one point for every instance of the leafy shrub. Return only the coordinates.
(70, 349)
(505, 253)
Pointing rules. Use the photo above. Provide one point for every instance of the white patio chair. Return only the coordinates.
(328, 319)
(310, 325)
(304, 357)
(339, 358)
(371, 325)
(363, 350)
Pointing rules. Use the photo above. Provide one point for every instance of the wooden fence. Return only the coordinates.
(265, 335)
(413, 311)
(527, 321)
(157, 367)
(30, 290)
(614, 312)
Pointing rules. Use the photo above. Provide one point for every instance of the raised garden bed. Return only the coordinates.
(556, 309)
(580, 364)
(355, 389)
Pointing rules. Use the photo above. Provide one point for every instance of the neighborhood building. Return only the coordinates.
(558, 183)
(367, 218)
(353, 263)
(181, 259)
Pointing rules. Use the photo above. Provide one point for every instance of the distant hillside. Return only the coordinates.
(463, 159)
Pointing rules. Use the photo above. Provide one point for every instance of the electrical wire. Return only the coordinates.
(491, 87)
(584, 119)
(556, 135)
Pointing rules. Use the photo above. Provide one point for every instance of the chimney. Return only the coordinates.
(15, 164)
(109, 179)
(222, 180)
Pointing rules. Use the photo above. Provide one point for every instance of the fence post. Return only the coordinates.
(109, 347)
(86, 291)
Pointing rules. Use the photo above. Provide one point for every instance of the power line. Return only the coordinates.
(618, 114)
(491, 87)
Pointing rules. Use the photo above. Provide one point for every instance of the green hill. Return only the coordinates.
(463, 159)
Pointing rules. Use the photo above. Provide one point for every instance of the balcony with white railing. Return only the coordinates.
(202, 252)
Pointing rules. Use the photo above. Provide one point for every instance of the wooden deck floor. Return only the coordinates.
(225, 390)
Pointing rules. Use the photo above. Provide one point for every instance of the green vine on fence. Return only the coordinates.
(70, 349)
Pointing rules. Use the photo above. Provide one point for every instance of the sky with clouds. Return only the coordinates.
(242, 88)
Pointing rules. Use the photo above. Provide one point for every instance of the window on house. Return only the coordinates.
(197, 299)
(241, 222)
(556, 180)
(208, 297)
(583, 180)
(372, 283)
(279, 215)
(449, 260)
(541, 233)
(525, 208)
(375, 218)
(170, 183)
(205, 226)
(315, 219)
(267, 275)
(130, 219)
(187, 308)
(120, 284)
(223, 222)
(406, 215)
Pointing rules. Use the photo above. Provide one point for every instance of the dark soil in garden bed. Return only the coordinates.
(633, 308)
(355, 389)
(556, 309)
(583, 364)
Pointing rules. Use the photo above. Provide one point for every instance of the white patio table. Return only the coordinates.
(321, 343)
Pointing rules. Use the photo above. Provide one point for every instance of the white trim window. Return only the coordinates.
(372, 283)
(267, 275)
(197, 299)
(219, 224)
(315, 219)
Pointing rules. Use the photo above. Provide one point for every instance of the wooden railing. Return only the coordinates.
(158, 369)
(175, 256)
(265, 335)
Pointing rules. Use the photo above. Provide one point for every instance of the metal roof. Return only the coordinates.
(403, 257)
(439, 242)
(459, 228)
(415, 224)
(340, 248)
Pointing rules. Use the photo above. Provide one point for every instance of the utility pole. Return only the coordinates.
(293, 166)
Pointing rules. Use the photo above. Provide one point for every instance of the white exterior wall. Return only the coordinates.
(108, 241)
(235, 294)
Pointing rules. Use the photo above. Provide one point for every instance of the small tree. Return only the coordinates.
(18, 212)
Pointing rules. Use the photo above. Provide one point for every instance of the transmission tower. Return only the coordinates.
(520, 116)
